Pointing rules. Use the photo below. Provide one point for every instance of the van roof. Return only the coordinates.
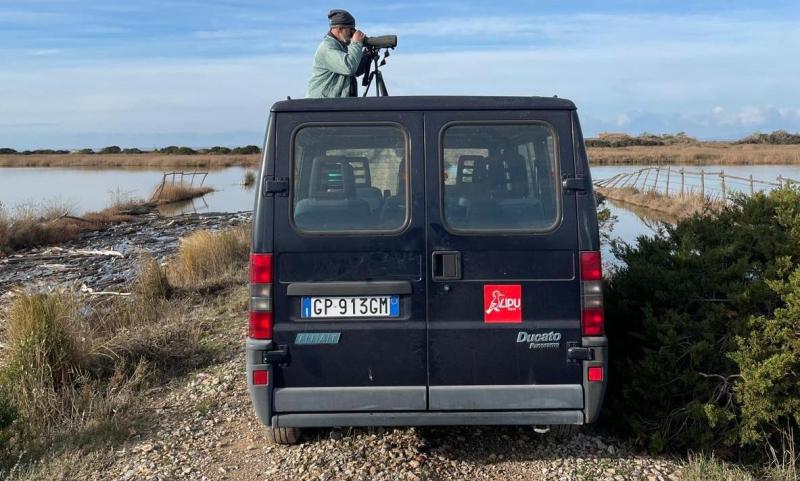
(432, 102)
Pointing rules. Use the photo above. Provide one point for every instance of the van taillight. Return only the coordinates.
(591, 267)
(260, 325)
(260, 268)
(592, 317)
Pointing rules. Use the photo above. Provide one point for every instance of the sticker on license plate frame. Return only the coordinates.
(349, 307)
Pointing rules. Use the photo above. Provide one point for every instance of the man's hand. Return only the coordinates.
(358, 37)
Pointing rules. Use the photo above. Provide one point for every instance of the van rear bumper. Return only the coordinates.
(427, 418)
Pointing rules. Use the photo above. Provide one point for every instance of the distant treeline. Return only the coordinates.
(778, 137)
(169, 150)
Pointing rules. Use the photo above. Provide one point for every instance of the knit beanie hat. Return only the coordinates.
(341, 18)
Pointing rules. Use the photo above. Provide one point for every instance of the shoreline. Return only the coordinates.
(721, 153)
(694, 154)
(136, 161)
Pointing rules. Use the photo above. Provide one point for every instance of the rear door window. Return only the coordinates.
(499, 177)
(350, 178)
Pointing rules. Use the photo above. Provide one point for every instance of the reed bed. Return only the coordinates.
(41, 225)
(178, 192)
(702, 153)
(677, 207)
(150, 160)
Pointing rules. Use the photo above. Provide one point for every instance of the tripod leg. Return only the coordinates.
(380, 85)
(369, 82)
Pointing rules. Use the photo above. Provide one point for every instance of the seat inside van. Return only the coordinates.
(503, 187)
(363, 183)
(332, 200)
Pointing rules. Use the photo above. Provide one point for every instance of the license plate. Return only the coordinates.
(357, 306)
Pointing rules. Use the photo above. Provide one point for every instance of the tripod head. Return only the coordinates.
(372, 47)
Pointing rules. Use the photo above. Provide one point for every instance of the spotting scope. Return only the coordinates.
(384, 41)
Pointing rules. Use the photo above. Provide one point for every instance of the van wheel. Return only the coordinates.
(563, 432)
(285, 435)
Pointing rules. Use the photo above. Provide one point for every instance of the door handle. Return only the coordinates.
(446, 265)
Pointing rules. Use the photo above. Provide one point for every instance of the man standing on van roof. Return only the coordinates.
(339, 59)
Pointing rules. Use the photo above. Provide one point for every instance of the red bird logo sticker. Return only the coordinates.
(502, 303)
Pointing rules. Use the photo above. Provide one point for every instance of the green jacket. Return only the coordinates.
(335, 69)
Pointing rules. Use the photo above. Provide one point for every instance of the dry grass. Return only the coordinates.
(36, 226)
(151, 160)
(178, 192)
(42, 357)
(701, 467)
(710, 468)
(249, 178)
(71, 368)
(675, 207)
(209, 257)
(702, 153)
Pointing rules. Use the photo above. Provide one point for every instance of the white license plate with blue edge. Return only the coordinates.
(351, 306)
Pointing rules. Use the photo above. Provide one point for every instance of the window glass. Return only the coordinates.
(500, 177)
(349, 178)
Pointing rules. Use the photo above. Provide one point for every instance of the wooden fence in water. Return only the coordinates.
(669, 181)
(179, 177)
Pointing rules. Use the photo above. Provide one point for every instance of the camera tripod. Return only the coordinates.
(373, 73)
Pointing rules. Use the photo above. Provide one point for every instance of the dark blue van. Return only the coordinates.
(425, 261)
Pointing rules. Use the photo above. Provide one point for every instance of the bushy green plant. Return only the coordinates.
(768, 357)
(175, 150)
(606, 139)
(219, 150)
(247, 150)
(778, 137)
(111, 149)
(677, 312)
(6, 150)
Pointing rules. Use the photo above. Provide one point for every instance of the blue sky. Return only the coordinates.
(150, 73)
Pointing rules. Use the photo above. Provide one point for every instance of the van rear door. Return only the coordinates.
(349, 291)
(504, 297)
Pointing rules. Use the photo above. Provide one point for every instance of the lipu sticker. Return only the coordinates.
(502, 303)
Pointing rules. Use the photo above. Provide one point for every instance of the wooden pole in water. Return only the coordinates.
(655, 184)
(668, 171)
(635, 182)
(702, 184)
(751, 184)
(722, 179)
(682, 181)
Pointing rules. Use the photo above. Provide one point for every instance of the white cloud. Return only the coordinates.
(714, 76)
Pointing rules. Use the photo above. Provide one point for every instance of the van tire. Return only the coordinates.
(285, 435)
(564, 432)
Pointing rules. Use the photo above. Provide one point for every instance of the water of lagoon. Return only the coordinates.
(91, 189)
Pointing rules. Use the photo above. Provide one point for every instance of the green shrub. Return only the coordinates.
(6, 151)
(693, 310)
(219, 150)
(248, 150)
(778, 137)
(112, 149)
(646, 139)
(86, 151)
(768, 357)
(175, 150)
(132, 151)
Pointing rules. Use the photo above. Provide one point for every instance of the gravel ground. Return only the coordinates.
(205, 428)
